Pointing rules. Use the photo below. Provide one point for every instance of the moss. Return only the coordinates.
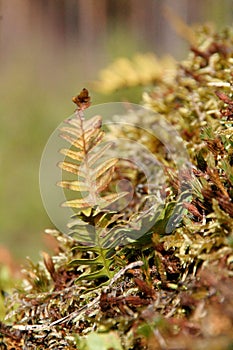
(167, 289)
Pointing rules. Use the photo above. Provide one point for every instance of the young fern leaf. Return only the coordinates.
(92, 172)
(91, 176)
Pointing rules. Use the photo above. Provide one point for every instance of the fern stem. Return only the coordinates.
(102, 254)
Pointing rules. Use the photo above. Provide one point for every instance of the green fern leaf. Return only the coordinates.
(101, 263)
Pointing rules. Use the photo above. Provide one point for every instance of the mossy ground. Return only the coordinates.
(172, 291)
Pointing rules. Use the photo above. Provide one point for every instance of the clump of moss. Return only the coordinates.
(168, 290)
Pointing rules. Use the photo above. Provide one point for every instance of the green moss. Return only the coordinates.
(170, 288)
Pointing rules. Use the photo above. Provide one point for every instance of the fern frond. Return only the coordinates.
(91, 176)
(71, 154)
(98, 267)
(98, 224)
(91, 171)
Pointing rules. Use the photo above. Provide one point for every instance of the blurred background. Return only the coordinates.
(49, 51)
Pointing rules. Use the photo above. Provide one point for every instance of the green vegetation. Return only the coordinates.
(171, 287)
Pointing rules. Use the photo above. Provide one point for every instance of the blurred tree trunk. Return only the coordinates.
(92, 20)
(14, 23)
(87, 22)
